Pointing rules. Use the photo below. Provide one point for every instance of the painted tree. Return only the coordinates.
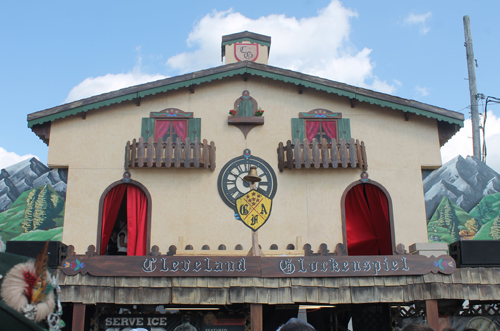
(43, 210)
(483, 209)
(57, 203)
(473, 225)
(27, 223)
(454, 232)
(495, 228)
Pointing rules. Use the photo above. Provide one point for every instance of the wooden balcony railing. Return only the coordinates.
(168, 154)
(337, 154)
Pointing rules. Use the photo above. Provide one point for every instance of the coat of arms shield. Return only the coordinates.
(253, 209)
(246, 52)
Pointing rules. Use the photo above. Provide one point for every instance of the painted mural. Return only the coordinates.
(462, 201)
(32, 198)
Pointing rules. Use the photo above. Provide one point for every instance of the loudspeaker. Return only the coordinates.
(476, 253)
(57, 251)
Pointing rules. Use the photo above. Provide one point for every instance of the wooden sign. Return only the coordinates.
(351, 266)
(255, 266)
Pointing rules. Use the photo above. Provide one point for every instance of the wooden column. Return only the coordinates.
(432, 313)
(255, 236)
(78, 323)
(256, 317)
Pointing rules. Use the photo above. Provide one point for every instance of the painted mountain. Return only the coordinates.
(463, 181)
(32, 200)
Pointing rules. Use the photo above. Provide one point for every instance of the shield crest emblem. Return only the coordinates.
(246, 52)
(254, 209)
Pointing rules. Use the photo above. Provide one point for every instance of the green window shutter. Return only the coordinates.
(344, 128)
(148, 128)
(297, 129)
(194, 127)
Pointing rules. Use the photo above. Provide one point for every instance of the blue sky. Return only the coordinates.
(56, 52)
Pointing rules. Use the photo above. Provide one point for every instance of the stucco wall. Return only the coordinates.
(186, 203)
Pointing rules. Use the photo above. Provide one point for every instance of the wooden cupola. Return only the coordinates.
(245, 46)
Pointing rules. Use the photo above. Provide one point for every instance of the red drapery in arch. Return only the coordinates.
(367, 221)
(137, 210)
(137, 214)
(110, 210)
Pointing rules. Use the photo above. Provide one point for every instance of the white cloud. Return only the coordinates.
(10, 158)
(419, 20)
(461, 143)
(111, 82)
(421, 91)
(316, 45)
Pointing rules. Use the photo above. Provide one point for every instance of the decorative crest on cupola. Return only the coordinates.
(245, 46)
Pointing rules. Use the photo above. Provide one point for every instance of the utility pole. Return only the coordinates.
(476, 144)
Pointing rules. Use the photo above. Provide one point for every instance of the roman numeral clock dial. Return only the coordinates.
(231, 184)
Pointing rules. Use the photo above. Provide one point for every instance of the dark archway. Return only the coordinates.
(367, 219)
(125, 203)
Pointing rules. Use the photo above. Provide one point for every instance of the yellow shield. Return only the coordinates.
(254, 209)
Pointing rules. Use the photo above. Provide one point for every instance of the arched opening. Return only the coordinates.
(124, 220)
(367, 219)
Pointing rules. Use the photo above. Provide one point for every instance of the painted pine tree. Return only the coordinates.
(27, 223)
(454, 232)
(42, 219)
(495, 229)
(483, 209)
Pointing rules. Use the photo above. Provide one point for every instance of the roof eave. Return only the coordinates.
(240, 68)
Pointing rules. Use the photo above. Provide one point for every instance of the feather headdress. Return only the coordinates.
(29, 283)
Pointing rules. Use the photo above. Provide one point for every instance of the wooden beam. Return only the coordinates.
(256, 317)
(407, 116)
(432, 313)
(78, 322)
(353, 103)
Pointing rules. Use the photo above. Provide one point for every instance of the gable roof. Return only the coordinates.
(244, 68)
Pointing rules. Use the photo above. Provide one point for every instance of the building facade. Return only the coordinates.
(338, 176)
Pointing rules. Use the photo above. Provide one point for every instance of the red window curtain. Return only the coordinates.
(367, 221)
(137, 213)
(312, 128)
(111, 207)
(330, 129)
(180, 128)
(161, 129)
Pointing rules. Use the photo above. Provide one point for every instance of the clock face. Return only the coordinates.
(232, 186)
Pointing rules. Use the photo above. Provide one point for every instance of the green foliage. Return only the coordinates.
(447, 222)
(495, 229)
(21, 214)
(472, 225)
(54, 234)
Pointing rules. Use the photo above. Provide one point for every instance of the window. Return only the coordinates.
(367, 219)
(320, 124)
(173, 123)
(124, 211)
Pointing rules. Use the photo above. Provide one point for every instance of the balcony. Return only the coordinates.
(322, 155)
(150, 154)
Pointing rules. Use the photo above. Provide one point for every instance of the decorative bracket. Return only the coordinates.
(245, 123)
